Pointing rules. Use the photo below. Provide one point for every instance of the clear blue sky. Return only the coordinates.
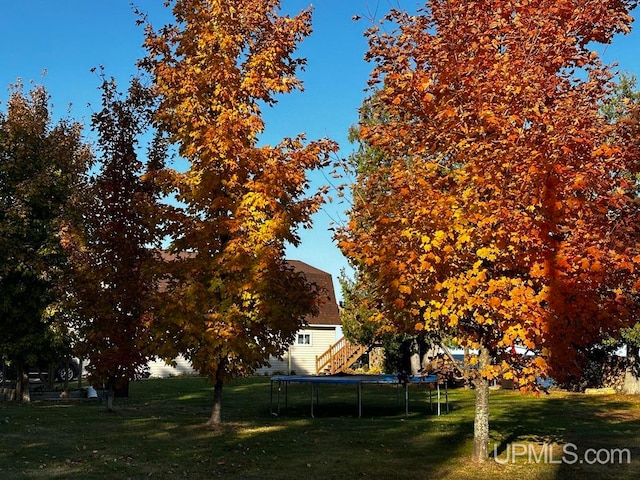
(69, 37)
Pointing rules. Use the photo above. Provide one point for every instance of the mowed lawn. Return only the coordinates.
(158, 433)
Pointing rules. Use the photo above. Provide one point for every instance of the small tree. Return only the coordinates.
(114, 244)
(233, 301)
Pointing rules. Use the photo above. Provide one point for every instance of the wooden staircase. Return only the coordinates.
(340, 356)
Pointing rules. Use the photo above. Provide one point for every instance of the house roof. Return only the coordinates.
(329, 313)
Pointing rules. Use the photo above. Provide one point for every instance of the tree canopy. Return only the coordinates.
(41, 165)
(503, 213)
(113, 246)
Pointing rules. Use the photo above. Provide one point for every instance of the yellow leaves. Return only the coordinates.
(489, 117)
(487, 253)
(538, 270)
(490, 372)
(408, 233)
(541, 363)
(483, 320)
(463, 239)
(438, 238)
(579, 183)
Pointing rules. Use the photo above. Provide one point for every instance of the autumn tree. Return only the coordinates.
(114, 245)
(507, 218)
(364, 320)
(235, 302)
(623, 105)
(41, 164)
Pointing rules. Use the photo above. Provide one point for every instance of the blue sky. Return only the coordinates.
(67, 38)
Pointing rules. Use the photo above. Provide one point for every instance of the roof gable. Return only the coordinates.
(328, 313)
(328, 309)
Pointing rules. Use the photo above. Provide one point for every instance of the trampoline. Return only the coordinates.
(358, 380)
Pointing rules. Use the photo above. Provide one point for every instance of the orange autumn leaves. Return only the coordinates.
(504, 214)
(236, 302)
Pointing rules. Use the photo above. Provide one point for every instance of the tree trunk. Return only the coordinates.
(50, 377)
(414, 357)
(111, 393)
(216, 414)
(110, 396)
(466, 371)
(80, 373)
(481, 420)
(631, 383)
(23, 394)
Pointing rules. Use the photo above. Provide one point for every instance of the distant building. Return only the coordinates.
(322, 331)
(318, 336)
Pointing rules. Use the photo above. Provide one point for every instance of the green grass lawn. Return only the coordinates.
(158, 433)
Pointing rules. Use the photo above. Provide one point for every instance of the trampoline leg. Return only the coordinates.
(446, 394)
(438, 387)
(312, 387)
(406, 399)
(271, 399)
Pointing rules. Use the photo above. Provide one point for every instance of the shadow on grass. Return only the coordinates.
(159, 433)
(580, 436)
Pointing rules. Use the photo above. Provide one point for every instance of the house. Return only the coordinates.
(317, 337)
(314, 340)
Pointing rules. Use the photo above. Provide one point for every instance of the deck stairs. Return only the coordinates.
(339, 357)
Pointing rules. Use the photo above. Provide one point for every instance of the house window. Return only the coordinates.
(304, 339)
